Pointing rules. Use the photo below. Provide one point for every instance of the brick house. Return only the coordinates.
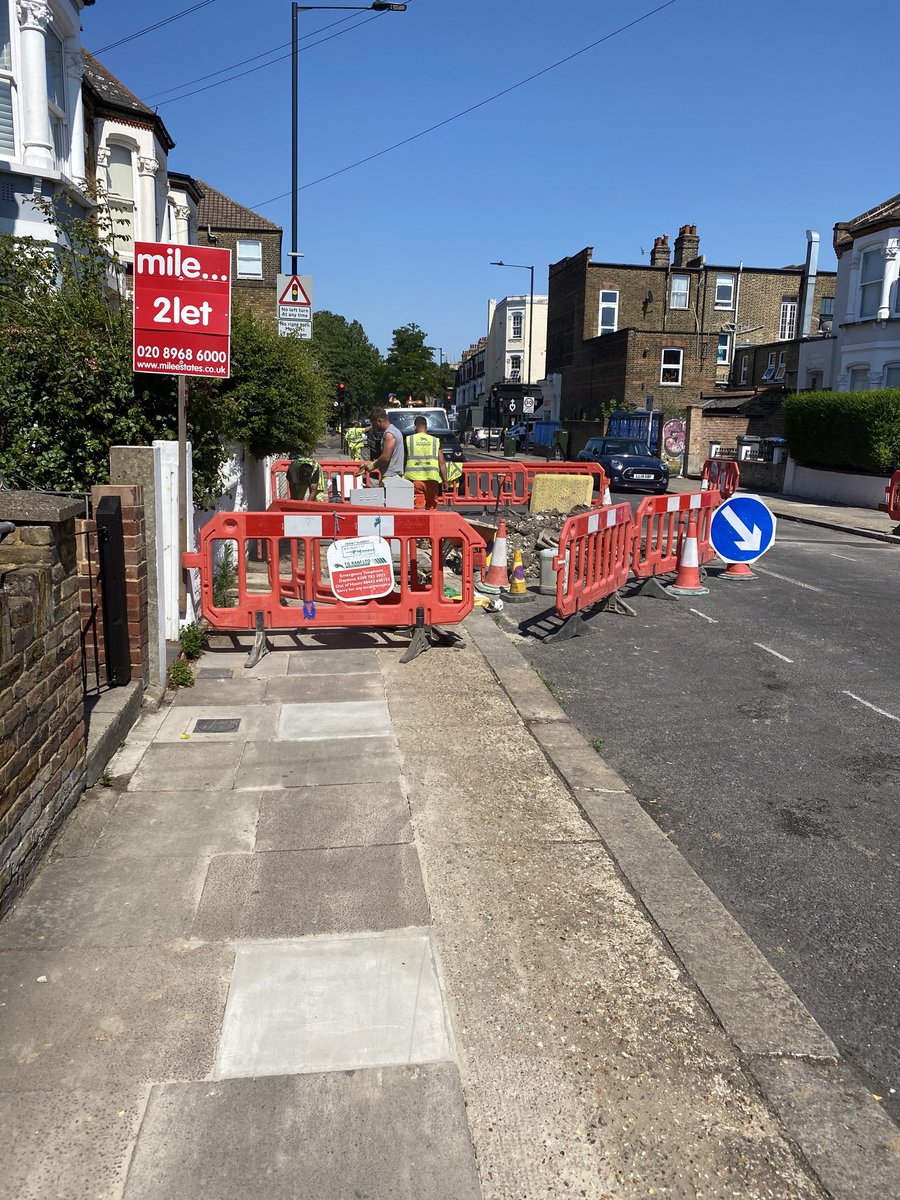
(254, 241)
(620, 333)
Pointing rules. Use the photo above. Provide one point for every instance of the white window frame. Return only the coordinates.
(681, 294)
(59, 119)
(787, 322)
(242, 272)
(724, 343)
(853, 370)
(782, 366)
(608, 304)
(118, 203)
(8, 81)
(723, 281)
(875, 284)
(745, 364)
(670, 366)
(515, 318)
(769, 372)
(514, 368)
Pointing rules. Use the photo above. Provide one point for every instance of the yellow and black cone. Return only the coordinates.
(517, 588)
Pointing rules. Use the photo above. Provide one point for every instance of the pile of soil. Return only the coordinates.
(533, 532)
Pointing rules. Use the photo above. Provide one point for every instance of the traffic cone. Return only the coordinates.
(517, 589)
(496, 578)
(687, 580)
(607, 497)
(738, 571)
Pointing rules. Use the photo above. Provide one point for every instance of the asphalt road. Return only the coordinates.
(760, 726)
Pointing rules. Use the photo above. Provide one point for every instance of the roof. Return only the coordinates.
(885, 213)
(112, 93)
(221, 212)
(749, 403)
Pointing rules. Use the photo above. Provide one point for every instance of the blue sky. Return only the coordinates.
(754, 121)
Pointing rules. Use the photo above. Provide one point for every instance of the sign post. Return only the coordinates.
(182, 327)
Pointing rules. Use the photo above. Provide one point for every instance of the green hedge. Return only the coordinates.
(847, 431)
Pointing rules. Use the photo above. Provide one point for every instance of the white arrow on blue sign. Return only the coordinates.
(742, 529)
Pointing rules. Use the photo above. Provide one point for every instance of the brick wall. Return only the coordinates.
(42, 732)
(258, 294)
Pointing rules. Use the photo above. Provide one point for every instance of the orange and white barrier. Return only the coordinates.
(660, 525)
(721, 475)
(892, 497)
(593, 563)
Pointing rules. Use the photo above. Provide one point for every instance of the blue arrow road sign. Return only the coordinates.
(742, 529)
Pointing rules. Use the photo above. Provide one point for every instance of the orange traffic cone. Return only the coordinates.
(687, 580)
(497, 577)
(517, 589)
(738, 571)
(607, 498)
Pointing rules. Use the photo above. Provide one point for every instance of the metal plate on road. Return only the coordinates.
(742, 529)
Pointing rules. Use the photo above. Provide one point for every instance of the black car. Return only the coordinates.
(628, 464)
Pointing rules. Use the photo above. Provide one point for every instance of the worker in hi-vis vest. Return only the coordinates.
(425, 465)
(355, 438)
(306, 479)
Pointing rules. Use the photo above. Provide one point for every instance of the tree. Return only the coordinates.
(345, 355)
(409, 367)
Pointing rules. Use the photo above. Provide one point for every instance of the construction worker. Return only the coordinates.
(425, 465)
(306, 479)
(390, 457)
(355, 439)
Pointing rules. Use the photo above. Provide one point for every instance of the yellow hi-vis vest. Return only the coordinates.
(454, 474)
(422, 451)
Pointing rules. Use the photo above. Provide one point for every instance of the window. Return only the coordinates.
(120, 185)
(826, 314)
(745, 363)
(769, 372)
(56, 96)
(724, 291)
(670, 367)
(680, 291)
(788, 322)
(722, 349)
(249, 260)
(782, 365)
(859, 379)
(892, 375)
(609, 312)
(518, 320)
(515, 368)
(871, 273)
(7, 129)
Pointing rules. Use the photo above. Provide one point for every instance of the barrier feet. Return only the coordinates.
(572, 627)
(260, 643)
(615, 604)
(445, 637)
(652, 587)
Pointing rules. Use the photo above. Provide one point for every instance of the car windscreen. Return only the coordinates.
(625, 446)
(404, 418)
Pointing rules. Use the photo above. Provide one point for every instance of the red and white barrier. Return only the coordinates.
(592, 565)
(721, 475)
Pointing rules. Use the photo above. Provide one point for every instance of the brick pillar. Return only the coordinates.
(135, 534)
(93, 649)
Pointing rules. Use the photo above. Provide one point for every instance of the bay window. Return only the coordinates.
(7, 125)
(871, 273)
(120, 189)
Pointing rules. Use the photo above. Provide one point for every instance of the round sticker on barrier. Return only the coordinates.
(360, 568)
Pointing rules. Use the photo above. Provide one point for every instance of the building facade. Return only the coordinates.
(469, 384)
(516, 340)
(254, 241)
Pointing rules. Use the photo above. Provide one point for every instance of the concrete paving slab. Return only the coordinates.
(474, 815)
(327, 816)
(301, 892)
(187, 766)
(256, 723)
(271, 665)
(319, 689)
(305, 764)
(85, 823)
(186, 824)
(398, 1133)
(324, 661)
(333, 1004)
(351, 719)
(105, 902)
(97, 1018)
(75, 1145)
(243, 689)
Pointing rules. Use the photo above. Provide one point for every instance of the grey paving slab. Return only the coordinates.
(97, 1018)
(324, 661)
(272, 664)
(394, 1134)
(350, 719)
(106, 902)
(517, 812)
(335, 815)
(244, 688)
(300, 892)
(303, 764)
(187, 766)
(319, 689)
(85, 823)
(68, 1144)
(256, 723)
(188, 824)
(326, 1004)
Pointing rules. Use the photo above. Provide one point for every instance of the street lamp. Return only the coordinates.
(523, 267)
(296, 9)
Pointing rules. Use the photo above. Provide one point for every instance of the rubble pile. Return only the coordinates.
(533, 532)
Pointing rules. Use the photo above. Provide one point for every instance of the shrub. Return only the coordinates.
(180, 674)
(193, 640)
(848, 431)
(225, 578)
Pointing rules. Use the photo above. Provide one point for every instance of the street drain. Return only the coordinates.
(217, 725)
(215, 673)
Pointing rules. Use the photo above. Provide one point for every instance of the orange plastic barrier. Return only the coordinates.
(532, 470)
(279, 558)
(340, 477)
(659, 525)
(483, 482)
(593, 563)
(721, 475)
(892, 498)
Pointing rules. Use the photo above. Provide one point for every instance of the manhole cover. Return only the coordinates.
(217, 725)
(215, 673)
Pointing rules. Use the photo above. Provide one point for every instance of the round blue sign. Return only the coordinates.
(742, 529)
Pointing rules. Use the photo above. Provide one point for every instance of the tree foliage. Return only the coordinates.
(409, 366)
(848, 431)
(345, 355)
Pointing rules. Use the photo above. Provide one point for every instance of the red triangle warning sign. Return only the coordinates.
(295, 293)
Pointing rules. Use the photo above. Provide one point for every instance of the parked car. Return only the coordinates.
(628, 464)
(524, 434)
(487, 439)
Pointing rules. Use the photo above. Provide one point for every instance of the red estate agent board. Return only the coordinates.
(182, 310)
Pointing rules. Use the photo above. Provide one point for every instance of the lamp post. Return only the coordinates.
(296, 9)
(524, 267)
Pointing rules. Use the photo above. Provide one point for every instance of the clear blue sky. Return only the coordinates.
(754, 121)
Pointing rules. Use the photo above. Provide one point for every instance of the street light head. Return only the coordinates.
(380, 6)
(498, 264)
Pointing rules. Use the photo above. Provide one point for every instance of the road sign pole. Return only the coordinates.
(182, 494)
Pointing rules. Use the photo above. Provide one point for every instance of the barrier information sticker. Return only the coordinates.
(360, 568)
(742, 529)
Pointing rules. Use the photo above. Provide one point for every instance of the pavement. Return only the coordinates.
(341, 927)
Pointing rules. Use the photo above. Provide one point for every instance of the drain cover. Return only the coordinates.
(217, 725)
(215, 673)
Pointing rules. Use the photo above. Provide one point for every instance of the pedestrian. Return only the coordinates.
(306, 479)
(390, 460)
(425, 465)
(355, 439)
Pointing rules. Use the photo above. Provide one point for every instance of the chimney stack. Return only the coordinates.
(687, 246)
(661, 253)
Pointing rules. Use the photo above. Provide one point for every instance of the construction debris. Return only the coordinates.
(533, 532)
